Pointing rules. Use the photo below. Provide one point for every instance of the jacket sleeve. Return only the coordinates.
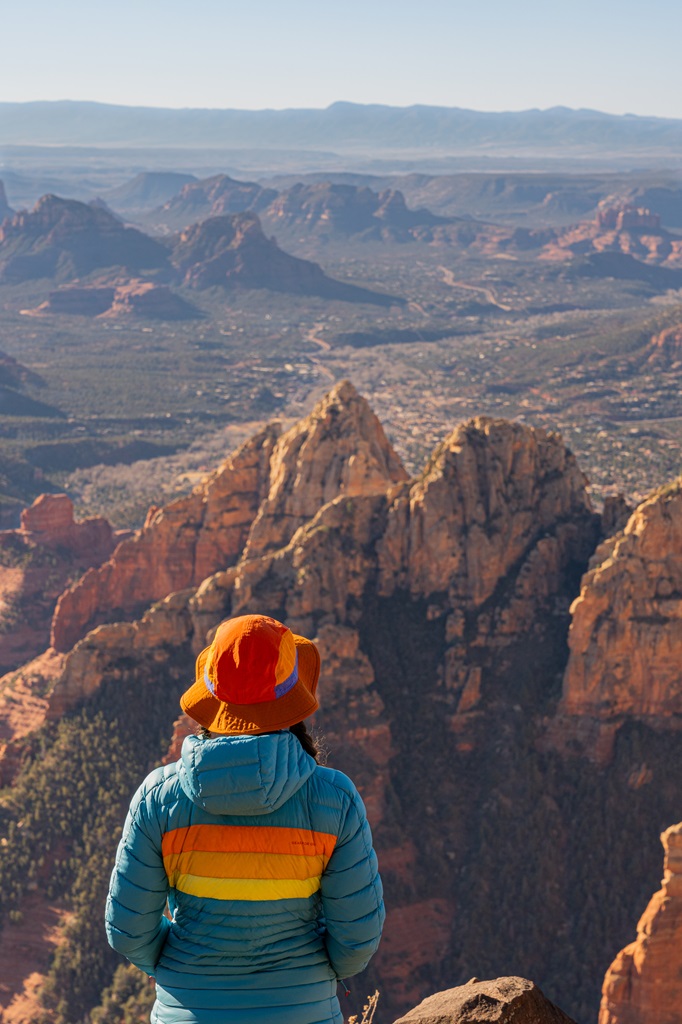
(138, 889)
(352, 895)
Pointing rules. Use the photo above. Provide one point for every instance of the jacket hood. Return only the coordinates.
(243, 774)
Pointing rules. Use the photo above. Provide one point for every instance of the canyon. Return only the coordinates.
(474, 622)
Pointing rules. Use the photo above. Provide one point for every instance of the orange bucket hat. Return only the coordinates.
(257, 676)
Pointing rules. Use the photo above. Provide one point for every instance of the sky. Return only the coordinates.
(617, 56)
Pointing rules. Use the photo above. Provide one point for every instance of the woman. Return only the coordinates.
(263, 856)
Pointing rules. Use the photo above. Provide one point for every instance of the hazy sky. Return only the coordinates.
(613, 55)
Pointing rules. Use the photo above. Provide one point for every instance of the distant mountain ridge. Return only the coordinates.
(344, 126)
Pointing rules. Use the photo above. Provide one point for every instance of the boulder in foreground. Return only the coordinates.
(502, 1001)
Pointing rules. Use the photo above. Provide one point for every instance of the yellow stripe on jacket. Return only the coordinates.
(247, 888)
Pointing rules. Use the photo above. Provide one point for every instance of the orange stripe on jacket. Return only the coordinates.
(253, 839)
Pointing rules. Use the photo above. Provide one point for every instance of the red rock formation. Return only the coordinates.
(65, 239)
(644, 983)
(625, 217)
(233, 251)
(49, 521)
(184, 726)
(626, 637)
(618, 228)
(342, 211)
(503, 1001)
(36, 563)
(487, 492)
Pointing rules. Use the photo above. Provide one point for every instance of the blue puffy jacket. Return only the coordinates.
(266, 861)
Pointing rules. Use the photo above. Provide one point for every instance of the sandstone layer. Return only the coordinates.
(503, 1001)
(626, 635)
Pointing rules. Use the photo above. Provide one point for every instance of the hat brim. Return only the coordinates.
(225, 717)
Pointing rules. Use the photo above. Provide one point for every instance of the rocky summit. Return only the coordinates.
(472, 621)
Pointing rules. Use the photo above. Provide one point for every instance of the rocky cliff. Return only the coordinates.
(626, 633)
(440, 605)
(644, 983)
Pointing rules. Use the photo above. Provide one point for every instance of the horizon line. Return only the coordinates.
(331, 106)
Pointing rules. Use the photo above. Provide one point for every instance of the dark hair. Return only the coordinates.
(309, 743)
